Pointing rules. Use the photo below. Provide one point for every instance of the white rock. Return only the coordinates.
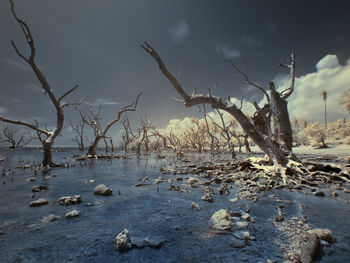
(50, 218)
(73, 213)
(122, 240)
(195, 206)
(221, 220)
(39, 202)
(103, 190)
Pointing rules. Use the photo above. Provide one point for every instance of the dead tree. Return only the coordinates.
(245, 142)
(93, 120)
(275, 108)
(79, 131)
(11, 136)
(214, 142)
(163, 139)
(194, 136)
(47, 137)
(143, 134)
(176, 144)
(226, 132)
(128, 135)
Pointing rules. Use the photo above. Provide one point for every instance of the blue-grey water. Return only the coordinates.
(149, 211)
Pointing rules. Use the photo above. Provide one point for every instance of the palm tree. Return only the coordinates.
(323, 94)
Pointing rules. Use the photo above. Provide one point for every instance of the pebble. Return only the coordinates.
(195, 206)
(39, 202)
(103, 190)
(50, 218)
(73, 213)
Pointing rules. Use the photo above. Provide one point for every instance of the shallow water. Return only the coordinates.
(152, 211)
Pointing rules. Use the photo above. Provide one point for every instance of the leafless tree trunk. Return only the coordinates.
(276, 107)
(176, 144)
(246, 143)
(11, 138)
(226, 133)
(93, 120)
(128, 135)
(143, 131)
(214, 142)
(106, 144)
(162, 137)
(79, 131)
(57, 102)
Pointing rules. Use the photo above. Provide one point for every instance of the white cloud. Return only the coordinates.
(306, 102)
(230, 52)
(103, 101)
(180, 31)
(250, 41)
(178, 126)
(329, 61)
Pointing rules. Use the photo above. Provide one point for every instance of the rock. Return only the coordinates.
(192, 181)
(244, 235)
(319, 193)
(103, 190)
(223, 189)
(159, 180)
(208, 190)
(73, 213)
(280, 216)
(346, 190)
(146, 242)
(324, 243)
(50, 218)
(237, 243)
(221, 220)
(142, 179)
(70, 200)
(241, 225)
(245, 165)
(122, 240)
(235, 213)
(195, 206)
(234, 200)
(308, 251)
(32, 179)
(246, 216)
(324, 234)
(172, 187)
(208, 197)
(39, 202)
(39, 188)
(137, 185)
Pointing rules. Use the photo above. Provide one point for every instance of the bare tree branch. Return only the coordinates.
(245, 76)
(292, 77)
(2, 118)
(165, 71)
(67, 93)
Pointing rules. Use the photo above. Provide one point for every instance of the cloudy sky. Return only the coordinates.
(96, 44)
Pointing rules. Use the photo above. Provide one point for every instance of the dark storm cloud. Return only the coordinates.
(96, 44)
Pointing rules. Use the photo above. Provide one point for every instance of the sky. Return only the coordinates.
(96, 44)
